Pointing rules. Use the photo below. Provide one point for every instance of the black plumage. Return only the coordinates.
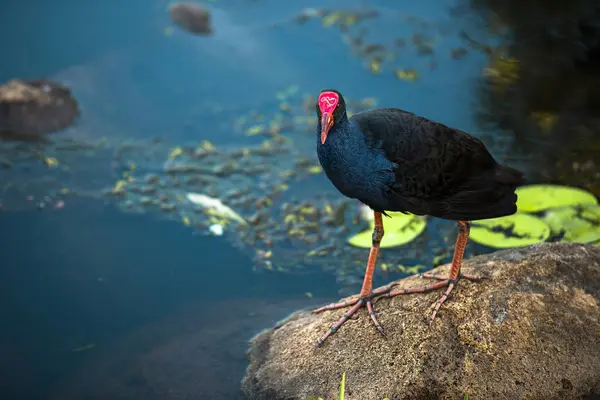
(442, 172)
(393, 160)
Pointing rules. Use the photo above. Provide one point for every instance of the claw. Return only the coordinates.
(367, 294)
(356, 305)
(445, 282)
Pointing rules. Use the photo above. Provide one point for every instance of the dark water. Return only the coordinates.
(94, 275)
(98, 303)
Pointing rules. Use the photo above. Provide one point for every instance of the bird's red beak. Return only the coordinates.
(326, 124)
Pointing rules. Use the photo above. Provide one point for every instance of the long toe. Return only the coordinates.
(338, 324)
(444, 281)
(451, 285)
(335, 306)
(355, 304)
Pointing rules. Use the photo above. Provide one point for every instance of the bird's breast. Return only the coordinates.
(355, 169)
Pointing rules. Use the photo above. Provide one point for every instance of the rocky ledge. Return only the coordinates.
(531, 331)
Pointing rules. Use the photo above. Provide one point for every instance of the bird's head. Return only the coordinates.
(331, 108)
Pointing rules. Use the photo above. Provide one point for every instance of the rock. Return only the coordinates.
(531, 331)
(31, 108)
(192, 18)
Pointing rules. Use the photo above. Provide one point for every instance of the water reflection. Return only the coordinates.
(522, 76)
(542, 87)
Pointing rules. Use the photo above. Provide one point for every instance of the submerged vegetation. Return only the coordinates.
(253, 192)
(253, 195)
(262, 188)
(544, 212)
(540, 83)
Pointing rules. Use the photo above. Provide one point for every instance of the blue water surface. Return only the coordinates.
(87, 292)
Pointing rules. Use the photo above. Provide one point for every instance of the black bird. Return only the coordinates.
(393, 160)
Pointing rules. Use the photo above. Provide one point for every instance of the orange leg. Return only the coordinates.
(449, 282)
(366, 293)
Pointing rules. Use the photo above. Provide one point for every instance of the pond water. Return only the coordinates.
(106, 297)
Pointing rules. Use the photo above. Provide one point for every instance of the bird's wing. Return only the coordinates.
(435, 162)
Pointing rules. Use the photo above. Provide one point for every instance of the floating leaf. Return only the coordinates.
(534, 198)
(515, 230)
(375, 66)
(331, 19)
(399, 230)
(255, 130)
(206, 146)
(51, 161)
(315, 169)
(576, 224)
(177, 151)
(409, 75)
(545, 121)
(216, 206)
(503, 71)
(119, 187)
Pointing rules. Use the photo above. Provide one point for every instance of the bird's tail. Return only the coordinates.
(489, 195)
(508, 176)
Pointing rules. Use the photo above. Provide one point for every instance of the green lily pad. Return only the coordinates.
(515, 230)
(579, 224)
(534, 198)
(399, 230)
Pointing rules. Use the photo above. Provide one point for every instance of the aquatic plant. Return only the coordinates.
(536, 198)
(576, 224)
(399, 230)
(544, 212)
(511, 231)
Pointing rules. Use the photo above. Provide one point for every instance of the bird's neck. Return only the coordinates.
(342, 121)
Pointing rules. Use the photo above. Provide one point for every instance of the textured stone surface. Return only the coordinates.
(30, 108)
(531, 331)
